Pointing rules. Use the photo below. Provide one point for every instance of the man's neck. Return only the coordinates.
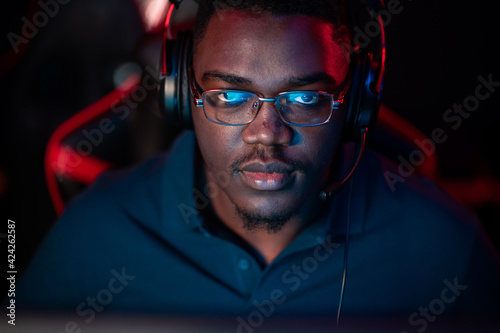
(268, 243)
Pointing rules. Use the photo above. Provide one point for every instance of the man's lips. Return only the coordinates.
(268, 167)
(268, 176)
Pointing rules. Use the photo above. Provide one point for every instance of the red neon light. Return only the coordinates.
(53, 159)
(70, 164)
(382, 65)
(474, 192)
(169, 15)
(165, 37)
(403, 128)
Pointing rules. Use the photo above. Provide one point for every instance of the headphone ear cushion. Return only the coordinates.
(354, 100)
(184, 90)
(175, 96)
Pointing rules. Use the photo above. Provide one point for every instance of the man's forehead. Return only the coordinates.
(261, 21)
(264, 44)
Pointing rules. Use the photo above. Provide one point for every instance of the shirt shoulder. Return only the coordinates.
(114, 220)
(410, 195)
(140, 188)
(427, 239)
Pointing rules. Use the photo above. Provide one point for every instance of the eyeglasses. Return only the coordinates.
(238, 107)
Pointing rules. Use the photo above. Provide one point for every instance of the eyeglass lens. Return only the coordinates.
(240, 107)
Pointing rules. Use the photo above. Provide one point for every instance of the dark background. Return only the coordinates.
(435, 52)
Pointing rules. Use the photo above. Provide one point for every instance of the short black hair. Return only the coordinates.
(332, 11)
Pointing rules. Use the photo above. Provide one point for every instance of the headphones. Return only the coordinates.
(367, 57)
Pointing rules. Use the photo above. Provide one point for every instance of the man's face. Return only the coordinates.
(267, 169)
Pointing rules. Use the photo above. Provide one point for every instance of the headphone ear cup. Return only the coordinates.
(174, 88)
(370, 102)
(367, 74)
(363, 103)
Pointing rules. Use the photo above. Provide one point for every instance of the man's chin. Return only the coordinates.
(267, 210)
(271, 222)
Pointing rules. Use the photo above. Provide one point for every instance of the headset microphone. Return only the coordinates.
(335, 188)
(331, 191)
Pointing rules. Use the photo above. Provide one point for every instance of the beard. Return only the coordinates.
(271, 223)
(274, 221)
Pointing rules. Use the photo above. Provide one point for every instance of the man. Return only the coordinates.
(230, 222)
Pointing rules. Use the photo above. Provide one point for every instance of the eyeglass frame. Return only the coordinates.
(197, 91)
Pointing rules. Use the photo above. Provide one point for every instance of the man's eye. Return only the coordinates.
(307, 99)
(231, 97)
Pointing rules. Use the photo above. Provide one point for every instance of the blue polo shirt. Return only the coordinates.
(136, 241)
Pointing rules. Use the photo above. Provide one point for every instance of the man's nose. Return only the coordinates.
(268, 128)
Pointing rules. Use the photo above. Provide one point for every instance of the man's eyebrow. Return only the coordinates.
(298, 81)
(226, 77)
(319, 77)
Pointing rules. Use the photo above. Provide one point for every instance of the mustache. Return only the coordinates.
(272, 154)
